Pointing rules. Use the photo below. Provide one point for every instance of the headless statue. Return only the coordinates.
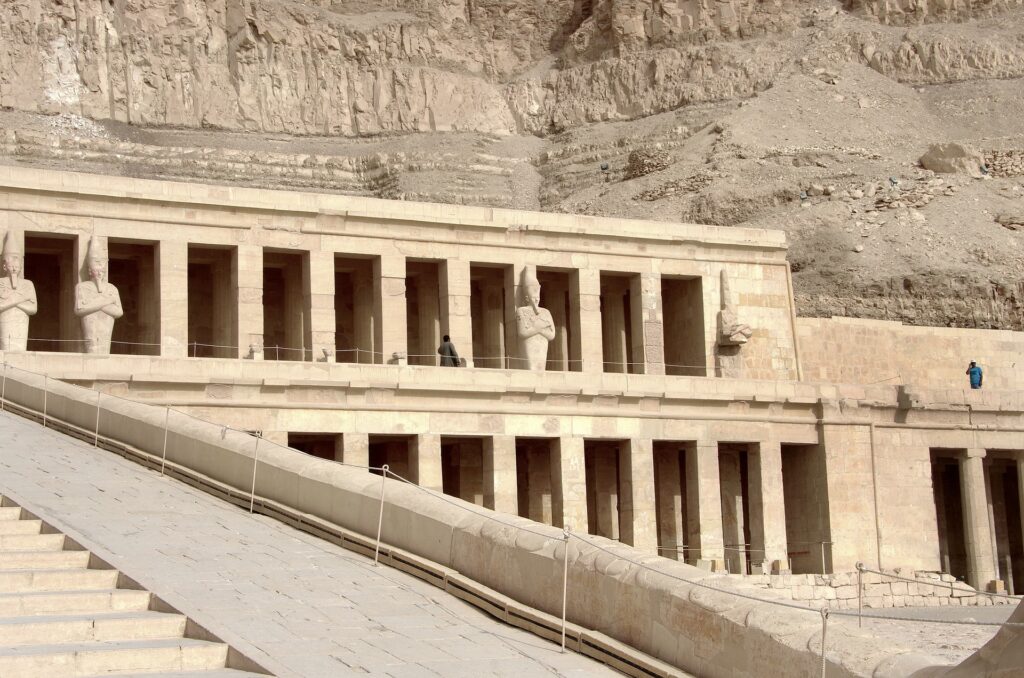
(534, 324)
(17, 297)
(731, 332)
(97, 302)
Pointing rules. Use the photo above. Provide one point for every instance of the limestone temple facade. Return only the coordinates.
(643, 381)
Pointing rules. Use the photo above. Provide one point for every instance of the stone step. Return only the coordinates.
(73, 602)
(20, 526)
(89, 659)
(10, 513)
(86, 628)
(27, 581)
(43, 560)
(32, 542)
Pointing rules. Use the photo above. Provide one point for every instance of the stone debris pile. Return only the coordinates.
(1005, 163)
(646, 161)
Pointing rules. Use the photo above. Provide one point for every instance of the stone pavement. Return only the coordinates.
(296, 604)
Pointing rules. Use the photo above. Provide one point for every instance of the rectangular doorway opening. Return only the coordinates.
(462, 468)
(670, 498)
(1004, 481)
(949, 512)
(320, 445)
(555, 285)
(733, 470)
(492, 310)
(534, 479)
(804, 485)
(287, 330)
(621, 323)
(134, 272)
(601, 461)
(390, 450)
(212, 303)
(50, 265)
(423, 311)
(683, 308)
(354, 314)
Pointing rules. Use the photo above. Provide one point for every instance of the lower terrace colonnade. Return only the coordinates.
(742, 508)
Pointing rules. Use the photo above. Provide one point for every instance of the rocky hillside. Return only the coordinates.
(810, 116)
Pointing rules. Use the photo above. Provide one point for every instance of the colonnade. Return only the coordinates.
(248, 301)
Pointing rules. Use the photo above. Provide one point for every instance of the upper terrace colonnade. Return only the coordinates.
(668, 414)
(206, 271)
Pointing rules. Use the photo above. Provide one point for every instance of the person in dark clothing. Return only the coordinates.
(974, 373)
(449, 356)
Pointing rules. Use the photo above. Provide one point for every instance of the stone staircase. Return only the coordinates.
(61, 617)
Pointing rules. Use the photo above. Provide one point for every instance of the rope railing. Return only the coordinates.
(486, 514)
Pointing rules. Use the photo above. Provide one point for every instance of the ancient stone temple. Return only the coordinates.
(645, 382)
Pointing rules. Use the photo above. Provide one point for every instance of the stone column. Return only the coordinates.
(247, 278)
(456, 318)
(538, 477)
(554, 294)
(569, 494)
(585, 302)
(353, 448)
(767, 507)
(977, 533)
(648, 323)
(173, 271)
(318, 288)
(604, 475)
(500, 491)
(638, 522)
(669, 493)
(389, 309)
(425, 461)
(704, 504)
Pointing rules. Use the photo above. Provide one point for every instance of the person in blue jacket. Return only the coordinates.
(974, 372)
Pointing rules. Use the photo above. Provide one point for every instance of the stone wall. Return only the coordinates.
(854, 351)
(839, 591)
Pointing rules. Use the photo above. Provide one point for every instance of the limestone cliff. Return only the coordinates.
(748, 104)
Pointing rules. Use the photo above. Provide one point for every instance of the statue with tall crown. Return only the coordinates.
(17, 296)
(534, 324)
(97, 302)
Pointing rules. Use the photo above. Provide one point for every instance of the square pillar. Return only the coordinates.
(585, 302)
(569, 494)
(981, 572)
(500, 491)
(390, 310)
(172, 268)
(247, 278)
(425, 461)
(1020, 501)
(318, 288)
(354, 448)
(767, 506)
(456, 316)
(704, 504)
(648, 330)
(638, 520)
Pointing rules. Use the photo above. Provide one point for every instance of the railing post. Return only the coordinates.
(860, 594)
(3, 389)
(46, 394)
(567, 532)
(163, 458)
(824, 632)
(96, 430)
(255, 463)
(380, 515)
(823, 558)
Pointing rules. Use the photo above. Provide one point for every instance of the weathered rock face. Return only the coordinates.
(909, 12)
